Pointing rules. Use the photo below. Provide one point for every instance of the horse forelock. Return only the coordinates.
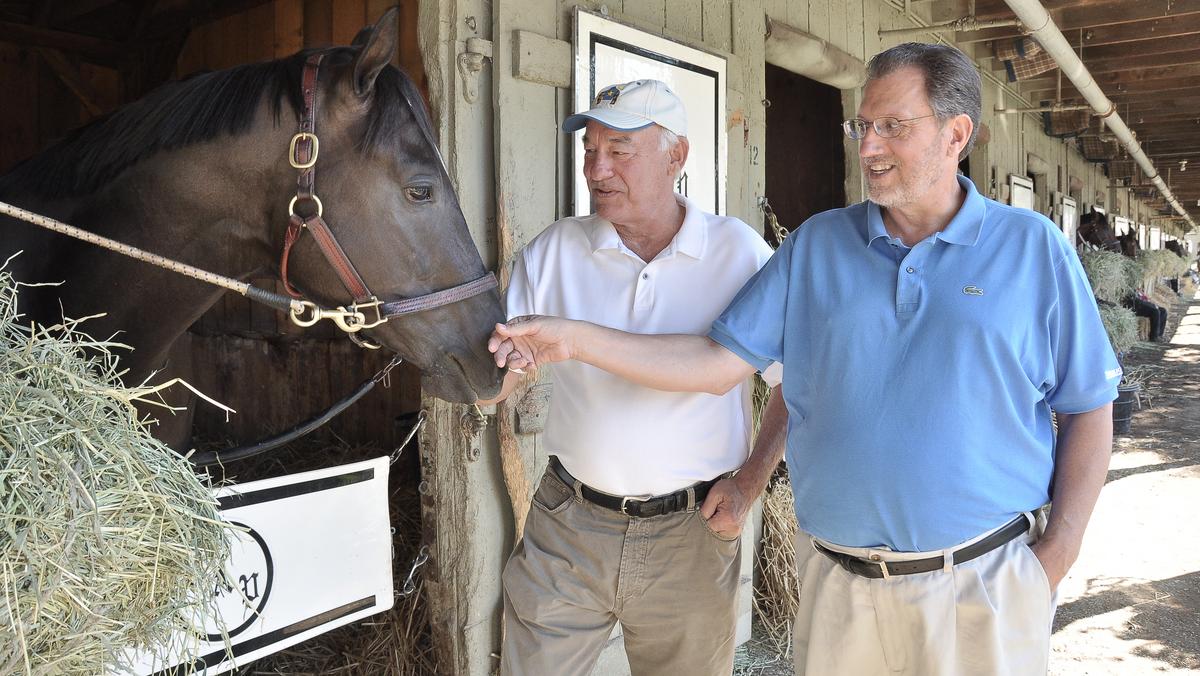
(395, 93)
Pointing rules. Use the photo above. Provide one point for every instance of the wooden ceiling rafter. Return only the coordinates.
(66, 12)
(1144, 55)
(1114, 34)
(97, 50)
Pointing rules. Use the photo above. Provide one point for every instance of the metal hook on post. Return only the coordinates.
(410, 584)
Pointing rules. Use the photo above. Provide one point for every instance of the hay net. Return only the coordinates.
(107, 537)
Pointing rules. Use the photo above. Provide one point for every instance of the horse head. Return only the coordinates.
(1095, 229)
(201, 171)
(1129, 244)
(389, 202)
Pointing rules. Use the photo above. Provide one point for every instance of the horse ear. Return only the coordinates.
(378, 46)
(364, 34)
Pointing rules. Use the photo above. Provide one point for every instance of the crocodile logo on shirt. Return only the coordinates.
(971, 290)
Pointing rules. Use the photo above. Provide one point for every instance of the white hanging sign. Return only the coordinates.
(312, 552)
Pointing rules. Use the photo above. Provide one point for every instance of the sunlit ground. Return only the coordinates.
(1188, 332)
(1131, 604)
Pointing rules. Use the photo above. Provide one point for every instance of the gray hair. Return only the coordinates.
(667, 140)
(951, 81)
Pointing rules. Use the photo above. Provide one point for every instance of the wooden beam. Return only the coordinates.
(1124, 92)
(42, 16)
(1117, 13)
(1168, 140)
(1149, 46)
(195, 13)
(1163, 103)
(1175, 25)
(1179, 118)
(96, 50)
(998, 9)
(66, 72)
(1141, 60)
(69, 11)
(1166, 76)
(1188, 151)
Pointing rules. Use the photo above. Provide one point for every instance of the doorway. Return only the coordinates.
(805, 155)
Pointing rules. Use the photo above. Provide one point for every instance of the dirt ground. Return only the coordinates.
(1131, 604)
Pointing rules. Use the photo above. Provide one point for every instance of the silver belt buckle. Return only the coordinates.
(625, 501)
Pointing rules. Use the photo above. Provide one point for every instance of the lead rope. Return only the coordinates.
(270, 298)
(301, 312)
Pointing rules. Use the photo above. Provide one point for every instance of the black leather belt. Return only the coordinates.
(658, 505)
(874, 569)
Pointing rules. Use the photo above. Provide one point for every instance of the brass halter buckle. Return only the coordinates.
(316, 150)
(361, 309)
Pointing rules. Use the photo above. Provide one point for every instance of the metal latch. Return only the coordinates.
(470, 62)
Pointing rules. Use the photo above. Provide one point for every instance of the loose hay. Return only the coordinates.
(106, 535)
(1162, 263)
(1121, 326)
(1109, 273)
(777, 595)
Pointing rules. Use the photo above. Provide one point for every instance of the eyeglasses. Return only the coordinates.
(886, 127)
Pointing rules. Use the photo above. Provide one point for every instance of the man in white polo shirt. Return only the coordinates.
(637, 518)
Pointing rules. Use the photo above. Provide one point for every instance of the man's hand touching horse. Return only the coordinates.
(669, 362)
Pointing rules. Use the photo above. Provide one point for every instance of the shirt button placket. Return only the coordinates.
(644, 292)
(908, 284)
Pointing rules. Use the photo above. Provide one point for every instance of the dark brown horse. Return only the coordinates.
(199, 171)
(1094, 228)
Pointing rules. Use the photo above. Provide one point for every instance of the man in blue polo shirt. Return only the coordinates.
(925, 335)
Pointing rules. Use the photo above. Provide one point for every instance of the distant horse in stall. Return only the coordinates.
(1095, 229)
(206, 171)
(1176, 248)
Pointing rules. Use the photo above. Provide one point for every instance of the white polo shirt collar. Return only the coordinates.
(691, 240)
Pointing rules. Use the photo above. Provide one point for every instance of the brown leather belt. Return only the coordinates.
(874, 569)
(687, 498)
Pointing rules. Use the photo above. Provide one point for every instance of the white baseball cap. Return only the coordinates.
(634, 105)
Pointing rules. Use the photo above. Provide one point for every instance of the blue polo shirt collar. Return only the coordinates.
(963, 229)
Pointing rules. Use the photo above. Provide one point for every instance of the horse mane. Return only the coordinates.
(197, 109)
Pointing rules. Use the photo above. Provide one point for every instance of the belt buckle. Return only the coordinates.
(625, 501)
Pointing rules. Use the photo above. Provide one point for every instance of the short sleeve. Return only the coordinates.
(518, 299)
(752, 326)
(773, 375)
(1086, 371)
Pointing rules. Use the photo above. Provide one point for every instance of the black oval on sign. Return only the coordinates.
(260, 602)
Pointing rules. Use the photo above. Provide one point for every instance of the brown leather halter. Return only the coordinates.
(302, 154)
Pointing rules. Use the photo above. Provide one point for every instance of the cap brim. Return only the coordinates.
(612, 119)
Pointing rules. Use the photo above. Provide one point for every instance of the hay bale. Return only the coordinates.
(1121, 326)
(1162, 263)
(1109, 274)
(105, 534)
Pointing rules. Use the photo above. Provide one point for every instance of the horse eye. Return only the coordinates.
(418, 193)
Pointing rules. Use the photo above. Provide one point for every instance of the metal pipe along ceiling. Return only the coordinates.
(1038, 21)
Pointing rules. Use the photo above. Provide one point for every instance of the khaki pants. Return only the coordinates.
(989, 615)
(580, 568)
